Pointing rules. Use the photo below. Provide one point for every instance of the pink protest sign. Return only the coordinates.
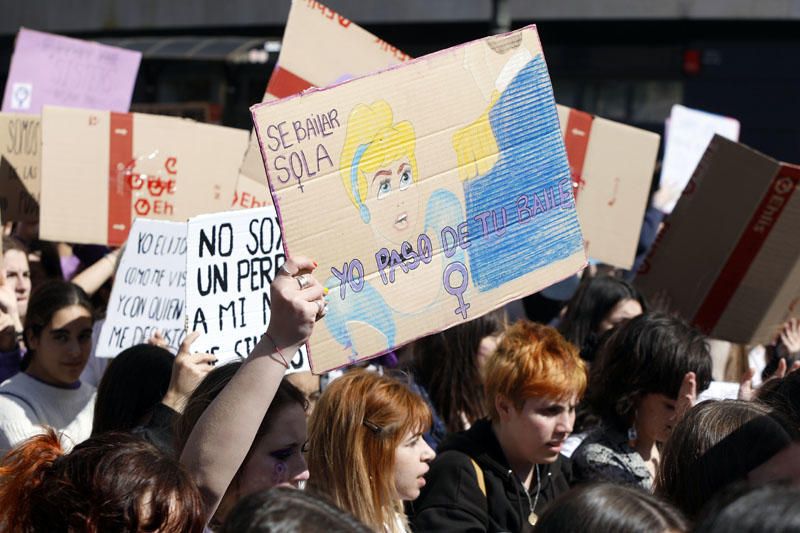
(49, 69)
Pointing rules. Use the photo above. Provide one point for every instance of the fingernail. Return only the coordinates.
(315, 264)
(325, 291)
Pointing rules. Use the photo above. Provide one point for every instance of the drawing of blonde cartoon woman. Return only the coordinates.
(498, 158)
(379, 172)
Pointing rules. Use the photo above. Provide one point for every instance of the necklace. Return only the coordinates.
(533, 517)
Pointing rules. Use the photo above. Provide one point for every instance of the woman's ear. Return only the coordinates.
(31, 340)
(503, 406)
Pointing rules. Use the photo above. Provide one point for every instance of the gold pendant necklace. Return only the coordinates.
(533, 517)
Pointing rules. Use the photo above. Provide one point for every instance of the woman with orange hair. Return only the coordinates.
(499, 474)
(366, 451)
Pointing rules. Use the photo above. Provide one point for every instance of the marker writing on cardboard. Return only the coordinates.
(492, 225)
(294, 160)
(247, 279)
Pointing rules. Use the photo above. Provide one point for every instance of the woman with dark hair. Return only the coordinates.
(783, 395)
(145, 389)
(602, 507)
(600, 303)
(276, 454)
(48, 391)
(641, 370)
(715, 444)
(135, 381)
(284, 509)
(112, 482)
(743, 508)
(227, 450)
(446, 368)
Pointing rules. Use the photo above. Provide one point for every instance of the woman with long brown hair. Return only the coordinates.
(366, 452)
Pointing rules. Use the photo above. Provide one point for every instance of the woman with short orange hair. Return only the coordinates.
(366, 451)
(499, 474)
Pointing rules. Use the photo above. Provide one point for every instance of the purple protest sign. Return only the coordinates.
(49, 69)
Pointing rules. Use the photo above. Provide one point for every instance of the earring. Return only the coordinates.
(633, 435)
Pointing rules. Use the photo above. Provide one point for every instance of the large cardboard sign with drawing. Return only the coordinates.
(49, 69)
(100, 170)
(429, 194)
(20, 157)
(728, 257)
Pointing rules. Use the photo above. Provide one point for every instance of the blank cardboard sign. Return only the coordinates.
(728, 257)
(612, 165)
(429, 193)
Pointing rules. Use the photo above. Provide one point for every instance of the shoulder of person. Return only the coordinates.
(14, 407)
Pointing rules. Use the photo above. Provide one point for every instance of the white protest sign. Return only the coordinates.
(149, 288)
(687, 135)
(232, 259)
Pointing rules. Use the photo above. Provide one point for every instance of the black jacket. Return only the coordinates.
(452, 500)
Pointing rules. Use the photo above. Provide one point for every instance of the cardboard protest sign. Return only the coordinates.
(688, 133)
(100, 170)
(429, 193)
(728, 257)
(251, 187)
(49, 69)
(612, 166)
(149, 289)
(20, 155)
(233, 257)
(321, 47)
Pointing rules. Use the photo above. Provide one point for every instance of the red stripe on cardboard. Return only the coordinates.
(747, 248)
(283, 83)
(120, 158)
(576, 140)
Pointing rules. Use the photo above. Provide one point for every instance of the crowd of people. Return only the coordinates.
(584, 419)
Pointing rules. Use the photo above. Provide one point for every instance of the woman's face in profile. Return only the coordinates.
(624, 310)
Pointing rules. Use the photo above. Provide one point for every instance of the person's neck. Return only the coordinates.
(521, 467)
(646, 447)
(43, 379)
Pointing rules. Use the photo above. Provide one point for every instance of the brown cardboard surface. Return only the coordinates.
(727, 258)
(251, 187)
(174, 168)
(612, 184)
(455, 158)
(20, 156)
(321, 47)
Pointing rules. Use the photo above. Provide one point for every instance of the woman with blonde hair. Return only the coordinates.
(366, 452)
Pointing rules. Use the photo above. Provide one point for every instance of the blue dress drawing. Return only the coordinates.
(525, 110)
